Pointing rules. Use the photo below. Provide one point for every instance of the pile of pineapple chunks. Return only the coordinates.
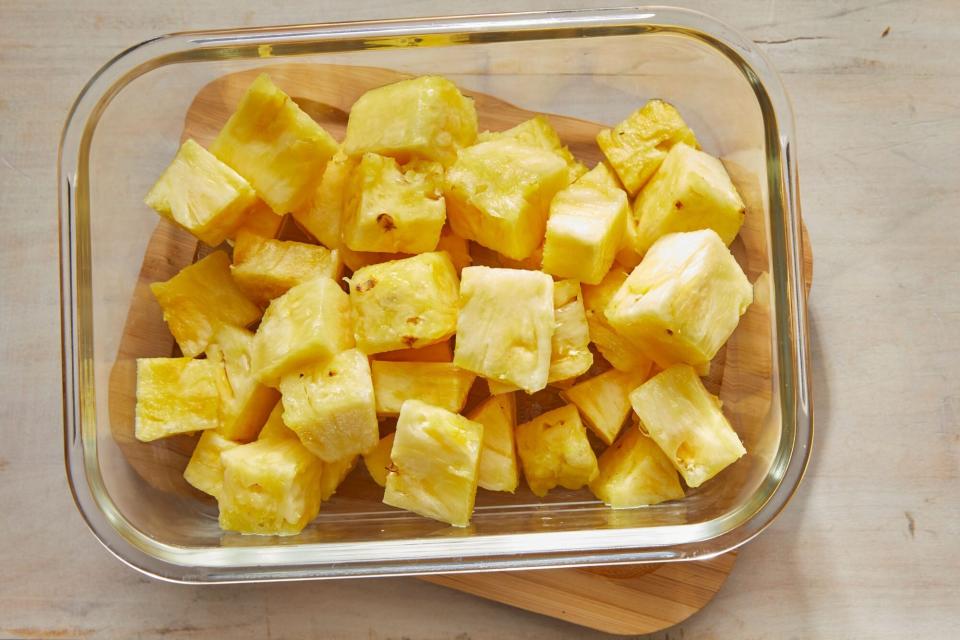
(443, 258)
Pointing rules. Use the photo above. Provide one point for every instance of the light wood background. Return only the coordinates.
(870, 547)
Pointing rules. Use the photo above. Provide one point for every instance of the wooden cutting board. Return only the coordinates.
(624, 599)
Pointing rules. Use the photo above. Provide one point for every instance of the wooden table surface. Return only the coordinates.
(869, 548)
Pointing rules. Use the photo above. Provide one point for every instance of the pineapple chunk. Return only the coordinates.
(309, 323)
(538, 132)
(331, 407)
(638, 145)
(498, 457)
(439, 352)
(691, 190)
(377, 460)
(356, 260)
(554, 450)
(405, 303)
(200, 299)
(175, 395)
(425, 117)
(201, 194)
(618, 351)
(498, 194)
(333, 474)
(275, 427)
(435, 461)
(626, 256)
(270, 487)
(277, 147)
(261, 220)
(322, 214)
(570, 347)
(245, 404)
(604, 401)
(585, 228)
(266, 269)
(497, 388)
(438, 383)
(634, 472)
(456, 247)
(685, 420)
(205, 471)
(392, 209)
(684, 300)
(505, 326)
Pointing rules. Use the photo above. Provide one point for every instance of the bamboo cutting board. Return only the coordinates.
(625, 599)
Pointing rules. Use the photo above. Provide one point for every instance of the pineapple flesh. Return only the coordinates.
(570, 347)
(377, 460)
(457, 248)
(685, 420)
(405, 304)
(201, 194)
(634, 472)
(333, 474)
(498, 456)
(277, 147)
(538, 132)
(684, 300)
(175, 395)
(275, 428)
(554, 451)
(200, 299)
(261, 220)
(266, 269)
(617, 350)
(322, 214)
(435, 462)
(437, 352)
(205, 471)
(505, 326)
(604, 401)
(331, 407)
(437, 383)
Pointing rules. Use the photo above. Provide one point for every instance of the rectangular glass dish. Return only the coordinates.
(592, 65)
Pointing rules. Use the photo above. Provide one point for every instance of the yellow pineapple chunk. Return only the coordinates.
(604, 401)
(201, 194)
(638, 145)
(498, 194)
(405, 303)
(388, 208)
(270, 487)
(425, 117)
(331, 406)
(205, 471)
(200, 299)
(685, 420)
(277, 147)
(377, 460)
(626, 256)
(435, 461)
(585, 228)
(505, 326)
(438, 352)
(438, 383)
(617, 350)
(334, 473)
(498, 457)
(554, 450)
(684, 300)
(308, 324)
(175, 395)
(498, 388)
(266, 269)
(245, 404)
(570, 347)
(275, 428)
(456, 247)
(356, 260)
(538, 132)
(261, 220)
(634, 472)
(691, 190)
(322, 214)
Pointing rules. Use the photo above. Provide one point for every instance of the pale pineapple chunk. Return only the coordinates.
(685, 420)
(638, 145)
(322, 213)
(205, 471)
(308, 324)
(331, 406)
(275, 428)
(261, 220)
(334, 473)
(498, 194)
(245, 404)
(691, 190)
(684, 300)
(266, 269)
(270, 487)
(554, 450)
(377, 460)
(277, 147)
(425, 117)
(175, 395)
(200, 299)
(456, 247)
(617, 350)
(538, 132)
(570, 346)
(498, 457)
(585, 228)
(201, 194)
(635, 472)
(604, 401)
(405, 303)
(505, 326)
(435, 461)
(627, 257)
(438, 352)
(437, 383)
(388, 208)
